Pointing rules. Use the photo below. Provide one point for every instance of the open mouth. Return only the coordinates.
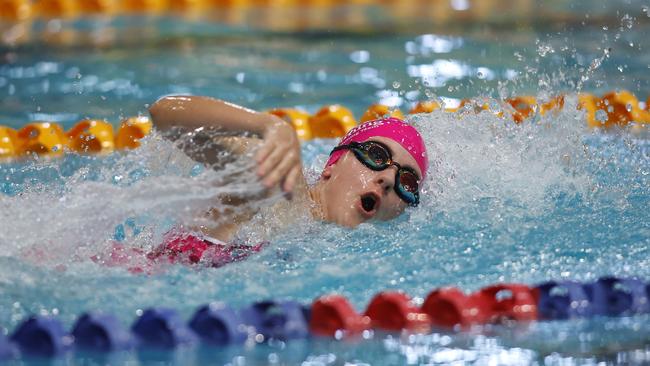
(369, 204)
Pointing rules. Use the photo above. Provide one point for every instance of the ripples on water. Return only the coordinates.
(526, 203)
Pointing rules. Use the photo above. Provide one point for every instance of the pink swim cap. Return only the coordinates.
(392, 128)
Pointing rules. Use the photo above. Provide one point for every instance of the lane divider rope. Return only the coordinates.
(216, 324)
(91, 136)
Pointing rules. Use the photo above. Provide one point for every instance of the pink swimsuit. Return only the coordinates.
(179, 246)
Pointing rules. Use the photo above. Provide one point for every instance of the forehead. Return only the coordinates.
(400, 154)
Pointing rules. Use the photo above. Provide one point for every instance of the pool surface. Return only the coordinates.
(546, 199)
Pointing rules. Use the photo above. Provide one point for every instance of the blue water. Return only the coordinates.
(549, 199)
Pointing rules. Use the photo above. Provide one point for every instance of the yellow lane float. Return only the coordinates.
(95, 136)
(144, 6)
(332, 121)
(613, 109)
(297, 118)
(523, 106)
(425, 107)
(92, 136)
(57, 8)
(42, 138)
(376, 111)
(131, 131)
(552, 105)
(15, 10)
(8, 137)
(106, 7)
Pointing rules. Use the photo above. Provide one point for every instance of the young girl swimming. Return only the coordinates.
(374, 172)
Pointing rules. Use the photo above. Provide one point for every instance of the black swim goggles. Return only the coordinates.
(377, 156)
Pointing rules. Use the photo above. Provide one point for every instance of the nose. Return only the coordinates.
(386, 179)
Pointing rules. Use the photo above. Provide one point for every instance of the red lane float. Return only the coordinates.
(332, 313)
(395, 311)
(449, 306)
(509, 302)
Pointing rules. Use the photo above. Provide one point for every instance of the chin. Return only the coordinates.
(347, 220)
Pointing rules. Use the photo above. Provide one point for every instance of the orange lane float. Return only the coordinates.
(298, 119)
(131, 131)
(524, 107)
(425, 107)
(8, 138)
(332, 121)
(15, 10)
(106, 7)
(42, 138)
(376, 111)
(57, 8)
(92, 136)
(619, 108)
(613, 109)
(554, 104)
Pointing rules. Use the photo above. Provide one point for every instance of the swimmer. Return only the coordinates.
(374, 173)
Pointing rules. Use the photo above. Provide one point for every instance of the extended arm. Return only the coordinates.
(279, 157)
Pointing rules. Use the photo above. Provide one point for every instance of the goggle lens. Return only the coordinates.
(408, 181)
(377, 155)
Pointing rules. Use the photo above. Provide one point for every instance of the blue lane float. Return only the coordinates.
(162, 328)
(101, 333)
(562, 300)
(217, 324)
(41, 336)
(278, 320)
(6, 348)
(613, 296)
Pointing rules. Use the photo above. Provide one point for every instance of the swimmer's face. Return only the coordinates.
(353, 193)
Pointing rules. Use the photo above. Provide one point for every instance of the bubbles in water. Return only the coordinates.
(627, 21)
(544, 48)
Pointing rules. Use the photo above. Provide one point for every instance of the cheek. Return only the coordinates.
(394, 207)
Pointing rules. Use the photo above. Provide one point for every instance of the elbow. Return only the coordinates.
(158, 108)
(161, 112)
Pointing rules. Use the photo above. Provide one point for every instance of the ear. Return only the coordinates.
(326, 174)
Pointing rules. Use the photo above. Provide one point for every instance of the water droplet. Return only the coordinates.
(519, 56)
(627, 21)
(396, 84)
(543, 49)
(629, 107)
(605, 28)
(601, 116)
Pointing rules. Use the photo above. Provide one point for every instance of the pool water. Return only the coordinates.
(547, 199)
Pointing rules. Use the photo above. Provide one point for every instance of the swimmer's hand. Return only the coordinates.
(278, 160)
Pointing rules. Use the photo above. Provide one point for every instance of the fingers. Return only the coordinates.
(281, 171)
(264, 152)
(270, 161)
(291, 178)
